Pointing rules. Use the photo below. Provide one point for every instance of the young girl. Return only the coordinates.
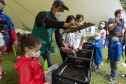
(102, 31)
(98, 58)
(28, 66)
(79, 35)
(68, 38)
(103, 34)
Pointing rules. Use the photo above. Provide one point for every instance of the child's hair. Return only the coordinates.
(29, 42)
(116, 34)
(3, 2)
(70, 17)
(78, 16)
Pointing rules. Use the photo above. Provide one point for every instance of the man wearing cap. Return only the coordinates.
(46, 23)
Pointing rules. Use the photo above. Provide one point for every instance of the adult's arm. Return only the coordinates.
(112, 24)
(43, 20)
(59, 39)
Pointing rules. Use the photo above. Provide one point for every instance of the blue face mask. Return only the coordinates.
(101, 26)
(1, 11)
(114, 39)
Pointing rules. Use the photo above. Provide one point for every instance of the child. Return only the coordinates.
(103, 34)
(98, 58)
(79, 35)
(114, 55)
(102, 31)
(68, 38)
(10, 34)
(28, 66)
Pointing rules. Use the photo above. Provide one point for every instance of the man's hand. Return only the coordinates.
(116, 20)
(77, 28)
(68, 25)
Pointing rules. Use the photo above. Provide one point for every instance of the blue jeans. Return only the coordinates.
(113, 68)
(106, 42)
(47, 55)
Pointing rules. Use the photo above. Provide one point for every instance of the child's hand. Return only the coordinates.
(46, 83)
(75, 50)
(80, 47)
(116, 62)
(16, 43)
(46, 73)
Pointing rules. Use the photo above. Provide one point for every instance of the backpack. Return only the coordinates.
(4, 30)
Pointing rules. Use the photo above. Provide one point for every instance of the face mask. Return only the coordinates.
(101, 26)
(36, 54)
(114, 39)
(97, 38)
(121, 17)
(58, 15)
(1, 11)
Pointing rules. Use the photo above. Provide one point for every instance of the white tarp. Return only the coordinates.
(23, 12)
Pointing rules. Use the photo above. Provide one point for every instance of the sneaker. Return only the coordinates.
(108, 76)
(111, 80)
(124, 75)
(95, 66)
(97, 70)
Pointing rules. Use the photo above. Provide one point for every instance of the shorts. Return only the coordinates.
(0, 56)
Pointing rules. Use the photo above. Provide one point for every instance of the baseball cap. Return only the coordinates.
(61, 3)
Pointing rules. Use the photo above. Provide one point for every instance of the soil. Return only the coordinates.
(84, 54)
(75, 72)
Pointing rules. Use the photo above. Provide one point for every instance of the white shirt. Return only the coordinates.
(69, 39)
(103, 34)
(78, 37)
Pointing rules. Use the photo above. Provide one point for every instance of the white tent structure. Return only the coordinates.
(23, 12)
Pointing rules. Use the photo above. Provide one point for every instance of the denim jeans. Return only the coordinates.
(113, 68)
(106, 42)
(47, 55)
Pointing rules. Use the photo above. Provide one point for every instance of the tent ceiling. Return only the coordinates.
(23, 12)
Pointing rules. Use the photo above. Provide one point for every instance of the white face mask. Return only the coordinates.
(36, 54)
(121, 17)
(58, 15)
(97, 38)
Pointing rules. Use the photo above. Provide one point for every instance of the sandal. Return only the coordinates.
(3, 74)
